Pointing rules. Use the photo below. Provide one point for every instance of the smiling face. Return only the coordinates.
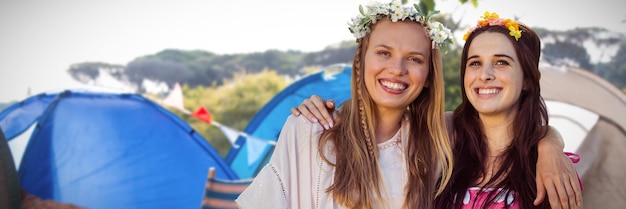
(396, 63)
(493, 76)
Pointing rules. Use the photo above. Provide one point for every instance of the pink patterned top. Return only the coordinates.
(475, 196)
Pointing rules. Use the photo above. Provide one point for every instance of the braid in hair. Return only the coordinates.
(357, 66)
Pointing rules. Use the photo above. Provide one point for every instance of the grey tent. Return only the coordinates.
(603, 143)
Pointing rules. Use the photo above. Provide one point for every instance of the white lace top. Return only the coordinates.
(297, 177)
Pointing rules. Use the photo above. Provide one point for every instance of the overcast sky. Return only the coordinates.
(39, 40)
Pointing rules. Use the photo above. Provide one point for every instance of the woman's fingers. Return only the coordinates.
(316, 110)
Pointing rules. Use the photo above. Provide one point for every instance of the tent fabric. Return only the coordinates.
(332, 82)
(582, 88)
(16, 118)
(603, 147)
(105, 150)
(602, 166)
(574, 121)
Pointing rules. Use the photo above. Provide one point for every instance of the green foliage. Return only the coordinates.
(188, 58)
(341, 53)
(474, 2)
(452, 78)
(615, 71)
(561, 53)
(429, 5)
(201, 68)
(233, 104)
(164, 70)
(568, 48)
(426, 5)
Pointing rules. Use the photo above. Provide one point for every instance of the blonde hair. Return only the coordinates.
(357, 180)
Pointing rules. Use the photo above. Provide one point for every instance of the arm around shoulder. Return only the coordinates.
(552, 138)
(556, 174)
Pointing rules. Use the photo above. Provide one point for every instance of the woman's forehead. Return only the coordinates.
(489, 43)
(402, 34)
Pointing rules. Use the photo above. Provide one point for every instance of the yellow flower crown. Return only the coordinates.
(491, 19)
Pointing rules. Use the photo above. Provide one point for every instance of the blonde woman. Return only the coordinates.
(389, 146)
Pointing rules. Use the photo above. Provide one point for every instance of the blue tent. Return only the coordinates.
(104, 150)
(330, 83)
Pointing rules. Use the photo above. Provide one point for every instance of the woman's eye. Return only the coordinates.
(415, 59)
(502, 62)
(474, 64)
(384, 53)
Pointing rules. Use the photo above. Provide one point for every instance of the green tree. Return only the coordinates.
(615, 71)
(567, 53)
(430, 5)
(452, 78)
(167, 71)
(341, 53)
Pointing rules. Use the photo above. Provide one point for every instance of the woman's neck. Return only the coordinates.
(499, 135)
(498, 131)
(387, 125)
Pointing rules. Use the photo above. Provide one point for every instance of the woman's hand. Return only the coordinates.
(316, 110)
(556, 174)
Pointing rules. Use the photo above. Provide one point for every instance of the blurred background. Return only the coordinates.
(233, 57)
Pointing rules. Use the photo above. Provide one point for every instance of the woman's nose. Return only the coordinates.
(397, 67)
(487, 74)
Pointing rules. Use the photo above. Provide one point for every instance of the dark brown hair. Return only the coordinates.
(518, 162)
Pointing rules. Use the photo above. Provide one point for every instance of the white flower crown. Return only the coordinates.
(360, 25)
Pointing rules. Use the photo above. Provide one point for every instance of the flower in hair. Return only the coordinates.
(359, 26)
(440, 34)
(491, 19)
